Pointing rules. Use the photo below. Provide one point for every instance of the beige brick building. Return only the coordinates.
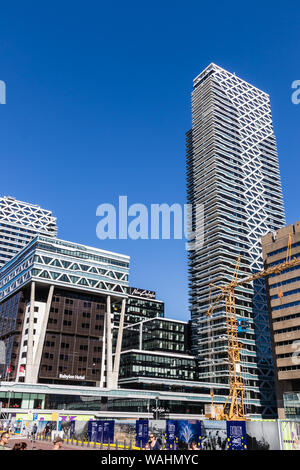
(284, 300)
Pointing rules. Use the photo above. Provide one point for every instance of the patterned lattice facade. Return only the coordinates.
(57, 300)
(232, 169)
(65, 264)
(20, 222)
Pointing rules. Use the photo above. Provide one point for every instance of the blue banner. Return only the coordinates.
(92, 430)
(106, 431)
(188, 433)
(171, 434)
(101, 431)
(142, 432)
(72, 429)
(236, 435)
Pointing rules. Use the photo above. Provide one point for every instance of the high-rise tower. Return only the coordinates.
(232, 170)
(20, 222)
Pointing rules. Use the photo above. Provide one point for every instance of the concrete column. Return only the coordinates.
(108, 344)
(29, 359)
(40, 341)
(102, 377)
(141, 336)
(119, 346)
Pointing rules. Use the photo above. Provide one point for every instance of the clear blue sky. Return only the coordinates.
(98, 103)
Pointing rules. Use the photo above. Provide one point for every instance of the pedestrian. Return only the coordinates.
(57, 443)
(34, 431)
(147, 446)
(4, 440)
(154, 444)
(47, 430)
(193, 446)
(20, 446)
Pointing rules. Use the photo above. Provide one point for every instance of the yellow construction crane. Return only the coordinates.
(236, 394)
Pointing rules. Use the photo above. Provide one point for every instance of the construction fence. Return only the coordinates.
(130, 434)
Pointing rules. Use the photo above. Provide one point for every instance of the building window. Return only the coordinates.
(48, 355)
(64, 357)
(68, 312)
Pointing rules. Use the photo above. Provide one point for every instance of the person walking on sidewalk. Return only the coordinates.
(34, 431)
(47, 430)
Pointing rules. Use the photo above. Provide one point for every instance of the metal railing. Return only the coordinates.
(100, 445)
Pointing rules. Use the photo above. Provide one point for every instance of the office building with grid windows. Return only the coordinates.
(283, 290)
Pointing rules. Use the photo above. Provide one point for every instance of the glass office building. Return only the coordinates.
(157, 334)
(141, 305)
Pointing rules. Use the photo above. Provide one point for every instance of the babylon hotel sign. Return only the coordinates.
(72, 377)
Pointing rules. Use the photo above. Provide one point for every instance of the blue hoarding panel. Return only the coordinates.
(236, 435)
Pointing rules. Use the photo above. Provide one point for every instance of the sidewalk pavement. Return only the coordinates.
(44, 445)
